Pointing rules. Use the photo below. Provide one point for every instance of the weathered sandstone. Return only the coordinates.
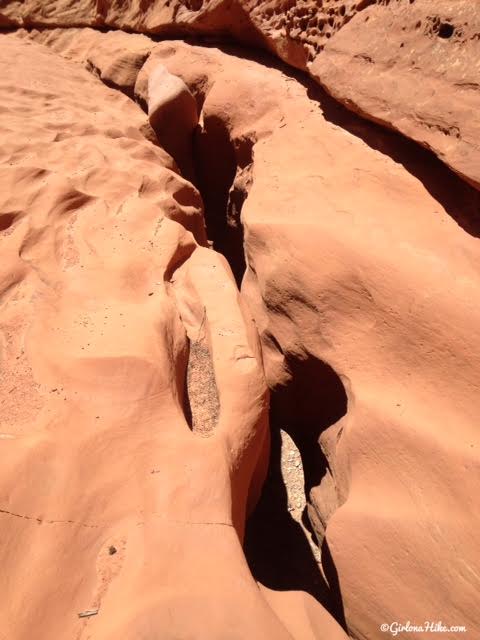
(409, 64)
(357, 254)
(414, 67)
(172, 112)
(117, 520)
(352, 270)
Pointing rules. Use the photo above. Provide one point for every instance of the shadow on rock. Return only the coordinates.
(276, 546)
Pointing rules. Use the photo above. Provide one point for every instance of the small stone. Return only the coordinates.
(87, 614)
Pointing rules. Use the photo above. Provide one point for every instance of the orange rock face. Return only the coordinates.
(413, 67)
(136, 360)
(113, 512)
(350, 279)
(408, 64)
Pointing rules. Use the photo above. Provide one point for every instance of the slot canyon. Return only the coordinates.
(239, 319)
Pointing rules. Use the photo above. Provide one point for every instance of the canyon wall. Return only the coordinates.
(356, 251)
(409, 64)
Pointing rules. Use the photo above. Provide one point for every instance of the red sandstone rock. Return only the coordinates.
(411, 65)
(352, 270)
(172, 112)
(117, 520)
(364, 290)
(116, 57)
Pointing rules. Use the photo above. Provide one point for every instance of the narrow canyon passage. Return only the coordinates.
(238, 350)
(129, 258)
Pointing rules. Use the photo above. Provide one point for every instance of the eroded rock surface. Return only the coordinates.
(413, 67)
(365, 291)
(409, 64)
(117, 520)
(358, 258)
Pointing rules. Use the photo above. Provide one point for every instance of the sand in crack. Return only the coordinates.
(203, 406)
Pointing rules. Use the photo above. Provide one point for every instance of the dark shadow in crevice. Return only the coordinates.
(185, 396)
(217, 164)
(460, 200)
(333, 584)
(313, 400)
(7, 220)
(276, 547)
